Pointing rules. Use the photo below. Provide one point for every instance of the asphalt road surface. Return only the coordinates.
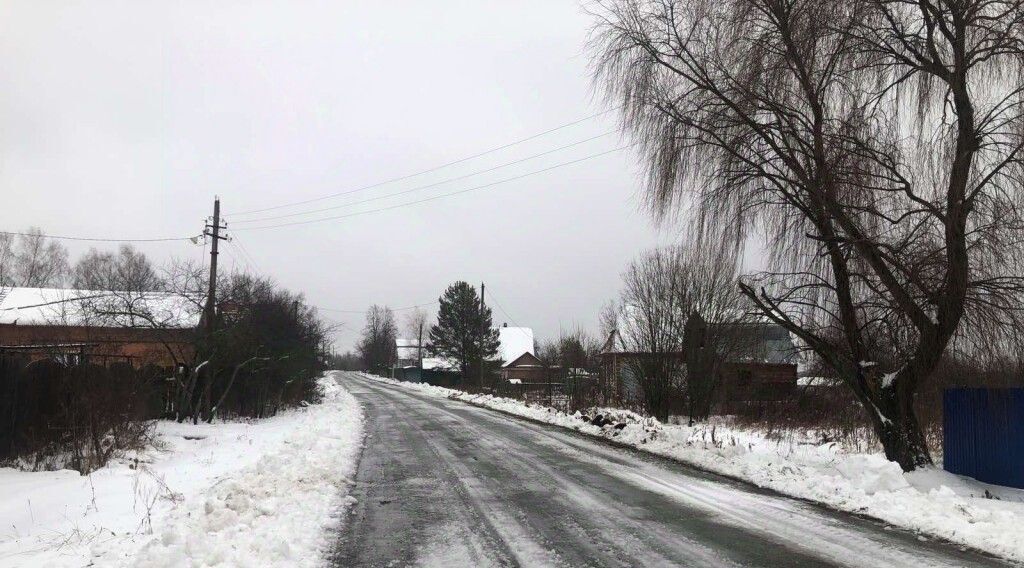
(443, 483)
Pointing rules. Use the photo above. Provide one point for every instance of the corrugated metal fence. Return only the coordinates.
(983, 434)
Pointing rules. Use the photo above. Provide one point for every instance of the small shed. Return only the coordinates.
(101, 327)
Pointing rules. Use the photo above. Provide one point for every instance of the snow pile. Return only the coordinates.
(930, 501)
(258, 493)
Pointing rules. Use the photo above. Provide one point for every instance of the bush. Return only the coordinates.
(265, 355)
(79, 417)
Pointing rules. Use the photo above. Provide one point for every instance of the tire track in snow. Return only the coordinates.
(557, 498)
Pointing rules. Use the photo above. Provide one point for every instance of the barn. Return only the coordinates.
(99, 327)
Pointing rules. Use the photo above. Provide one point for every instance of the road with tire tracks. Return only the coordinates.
(444, 483)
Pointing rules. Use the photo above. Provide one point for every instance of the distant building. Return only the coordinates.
(408, 353)
(513, 342)
(79, 326)
(525, 369)
(760, 367)
(521, 371)
(518, 360)
(519, 365)
(414, 364)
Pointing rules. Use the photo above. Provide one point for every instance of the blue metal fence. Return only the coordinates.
(983, 434)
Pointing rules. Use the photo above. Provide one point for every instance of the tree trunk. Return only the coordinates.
(899, 431)
(904, 443)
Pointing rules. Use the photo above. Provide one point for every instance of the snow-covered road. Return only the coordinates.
(443, 483)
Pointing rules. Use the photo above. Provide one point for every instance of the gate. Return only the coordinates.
(983, 434)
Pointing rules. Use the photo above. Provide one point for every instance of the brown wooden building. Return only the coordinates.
(748, 385)
(526, 377)
(759, 373)
(97, 327)
(526, 369)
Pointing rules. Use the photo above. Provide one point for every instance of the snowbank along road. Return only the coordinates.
(443, 483)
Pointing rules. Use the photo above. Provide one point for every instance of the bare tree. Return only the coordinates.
(651, 329)
(7, 264)
(347, 361)
(608, 323)
(33, 260)
(129, 269)
(417, 323)
(608, 318)
(876, 142)
(680, 321)
(716, 330)
(548, 353)
(377, 346)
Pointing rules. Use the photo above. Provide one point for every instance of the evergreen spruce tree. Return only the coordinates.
(456, 336)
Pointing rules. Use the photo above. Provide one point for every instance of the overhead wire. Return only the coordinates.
(249, 257)
(509, 316)
(364, 311)
(237, 243)
(240, 260)
(434, 197)
(426, 171)
(234, 261)
(99, 240)
(430, 185)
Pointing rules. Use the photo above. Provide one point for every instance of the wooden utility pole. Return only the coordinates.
(419, 344)
(213, 231)
(483, 334)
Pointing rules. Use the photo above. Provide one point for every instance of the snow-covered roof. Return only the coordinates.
(819, 382)
(55, 306)
(439, 364)
(524, 360)
(513, 342)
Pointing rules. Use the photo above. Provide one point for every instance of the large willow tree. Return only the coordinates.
(876, 145)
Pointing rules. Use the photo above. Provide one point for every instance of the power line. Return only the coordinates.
(427, 171)
(510, 318)
(237, 261)
(61, 301)
(432, 198)
(364, 311)
(237, 243)
(100, 240)
(428, 186)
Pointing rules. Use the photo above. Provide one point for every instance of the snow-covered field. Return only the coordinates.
(932, 502)
(259, 493)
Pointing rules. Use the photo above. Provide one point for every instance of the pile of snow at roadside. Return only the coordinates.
(257, 493)
(930, 501)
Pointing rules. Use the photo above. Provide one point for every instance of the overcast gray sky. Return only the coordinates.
(123, 119)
